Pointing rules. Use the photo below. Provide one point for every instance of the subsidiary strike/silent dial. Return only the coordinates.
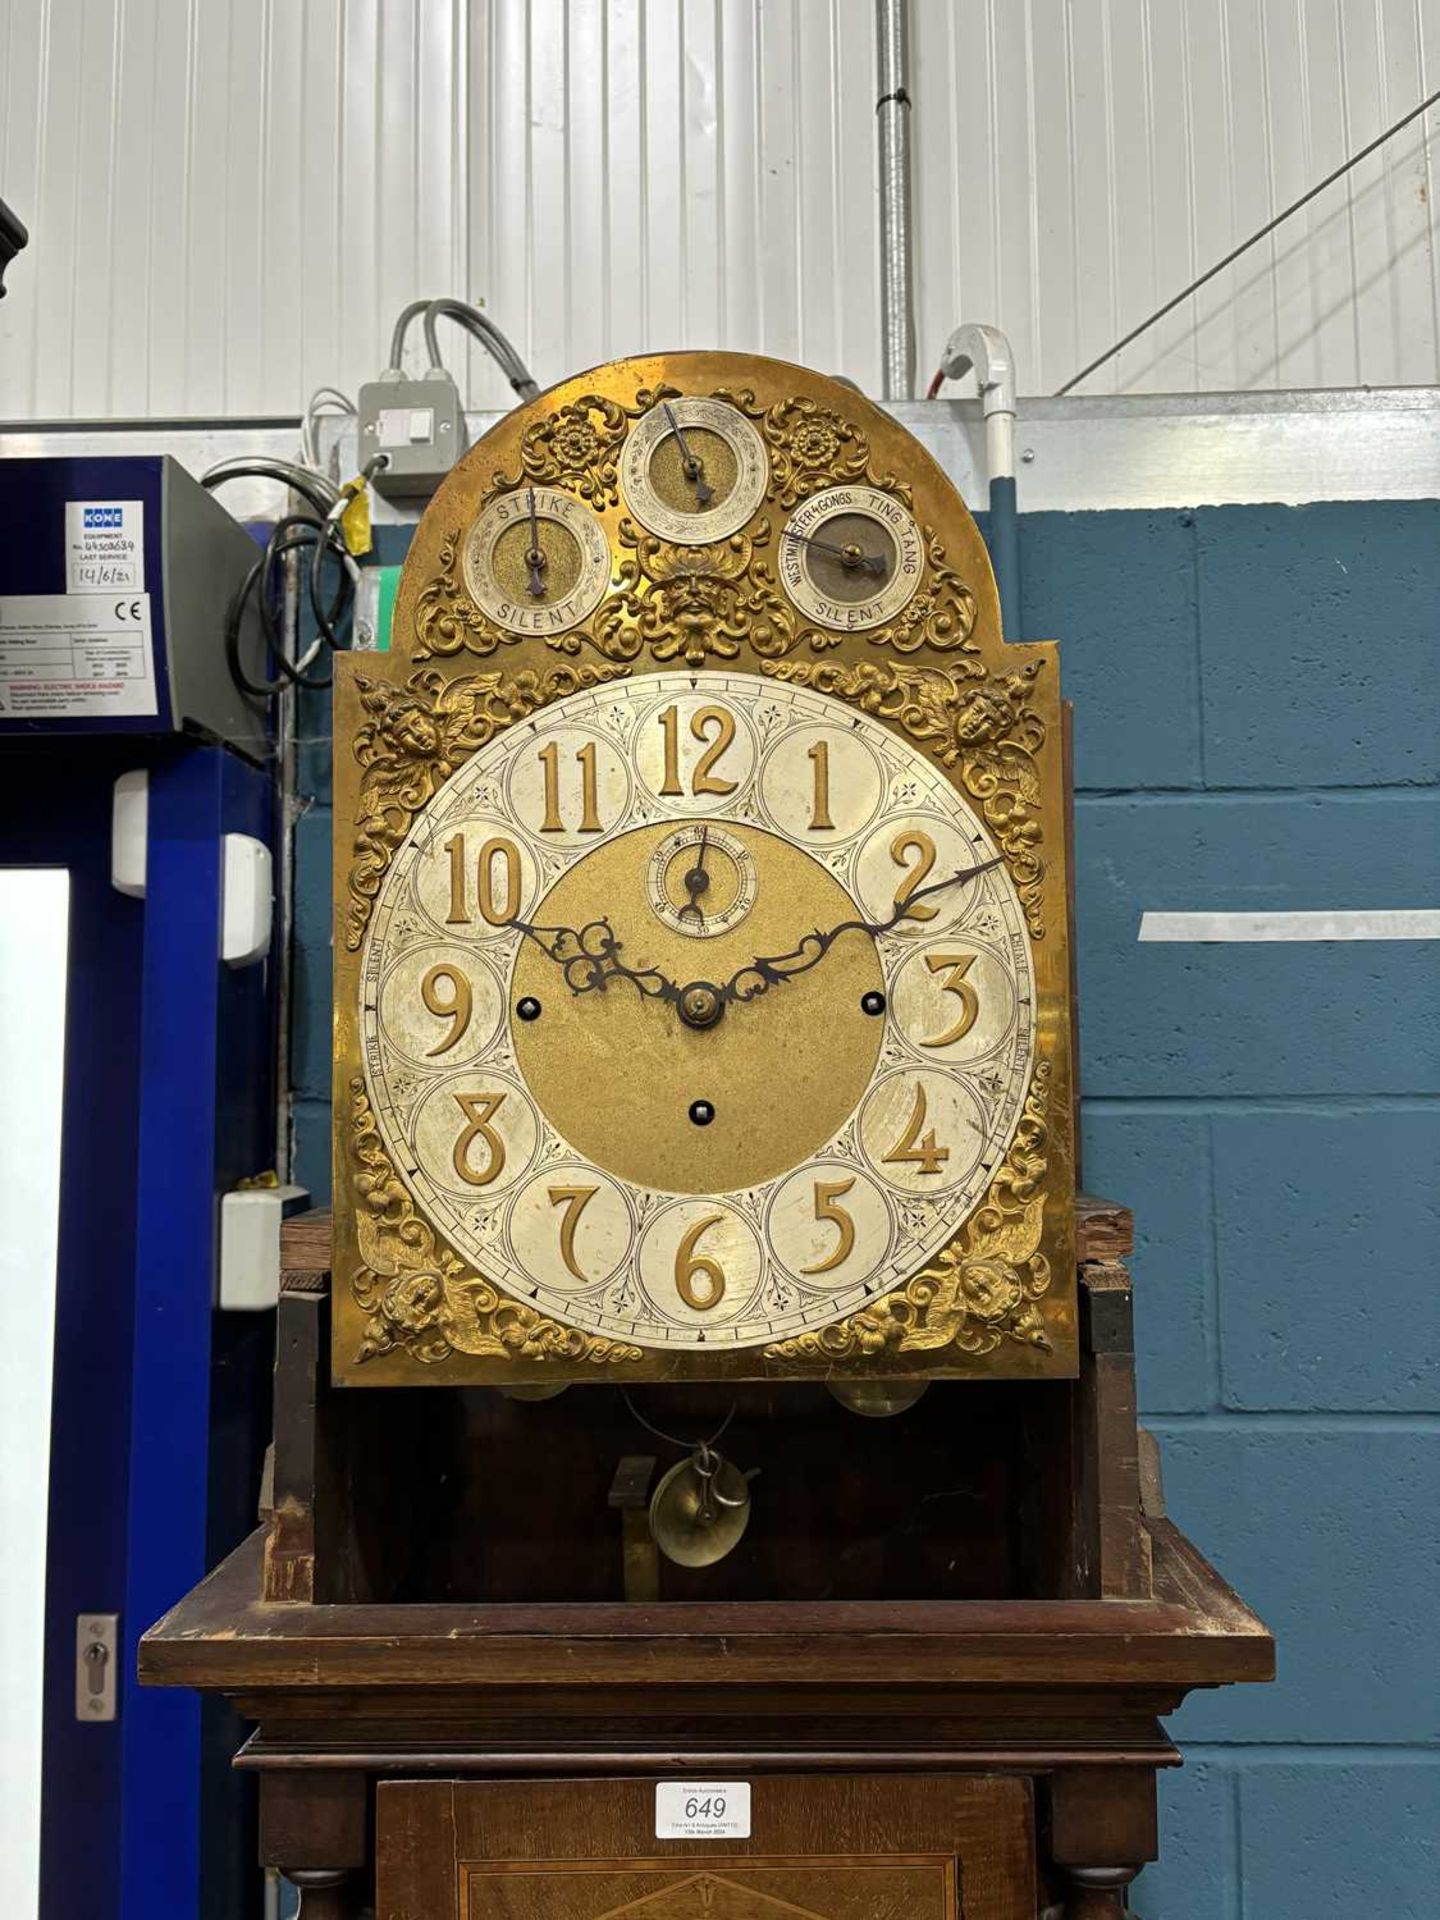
(851, 558)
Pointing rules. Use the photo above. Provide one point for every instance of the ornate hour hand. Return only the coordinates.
(589, 958)
(766, 971)
(692, 466)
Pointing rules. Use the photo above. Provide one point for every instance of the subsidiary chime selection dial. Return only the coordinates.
(697, 1013)
(851, 558)
(537, 561)
(693, 470)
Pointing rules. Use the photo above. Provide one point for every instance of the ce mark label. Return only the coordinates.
(128, 610)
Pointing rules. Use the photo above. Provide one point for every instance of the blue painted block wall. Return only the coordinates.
(1257, 724)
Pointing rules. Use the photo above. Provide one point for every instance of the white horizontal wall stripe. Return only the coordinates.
(1381, 923)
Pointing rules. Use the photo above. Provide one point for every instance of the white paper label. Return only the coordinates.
(104, 545)
(702, 1810)
(66, 654)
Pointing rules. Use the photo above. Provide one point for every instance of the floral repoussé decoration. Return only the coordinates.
(419, 1298)
(411, 741)
(980, 1290)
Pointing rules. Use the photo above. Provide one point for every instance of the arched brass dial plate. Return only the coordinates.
(537, 561)
(851, 558)
(860, 1169)
(694, 470)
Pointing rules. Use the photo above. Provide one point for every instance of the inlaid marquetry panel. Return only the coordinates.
(718, 1890)
(821, 1847)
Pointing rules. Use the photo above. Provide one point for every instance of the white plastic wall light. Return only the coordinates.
(248, 900)
(250, 1246)
(129, 830)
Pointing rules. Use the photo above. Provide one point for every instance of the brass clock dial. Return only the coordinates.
(694, 470)
(851, 558)
(588, 1148)
(536, 561)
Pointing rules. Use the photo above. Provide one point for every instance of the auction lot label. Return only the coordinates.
(705, 1810)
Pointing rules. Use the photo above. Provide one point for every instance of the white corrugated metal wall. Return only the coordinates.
(230, 198)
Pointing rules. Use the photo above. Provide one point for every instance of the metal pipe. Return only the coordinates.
(287, 813)
(897, 270)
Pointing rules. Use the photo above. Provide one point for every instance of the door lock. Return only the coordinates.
(97, 1637)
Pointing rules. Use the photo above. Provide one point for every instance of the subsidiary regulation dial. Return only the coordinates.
(694, 470)
(851, 558)
(537, 561)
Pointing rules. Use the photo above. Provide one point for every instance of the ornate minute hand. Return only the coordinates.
(766, 971)
(589, 957)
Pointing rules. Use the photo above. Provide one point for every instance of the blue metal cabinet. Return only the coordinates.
(168, 1101)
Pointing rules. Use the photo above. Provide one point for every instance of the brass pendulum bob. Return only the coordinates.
(700, 1509)
(877, 1399)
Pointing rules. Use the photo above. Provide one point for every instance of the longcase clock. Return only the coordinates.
(702, 985)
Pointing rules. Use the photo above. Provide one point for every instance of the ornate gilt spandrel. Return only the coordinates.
(999, 1300)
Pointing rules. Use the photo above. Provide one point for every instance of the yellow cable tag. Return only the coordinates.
(355, 520)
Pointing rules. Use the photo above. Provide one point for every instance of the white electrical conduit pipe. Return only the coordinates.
(985, 352)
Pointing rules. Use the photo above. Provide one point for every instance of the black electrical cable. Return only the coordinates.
(260, 579)
(314, 487)
(292, 534)
(261, 689)
(325, 536)
(326, 620)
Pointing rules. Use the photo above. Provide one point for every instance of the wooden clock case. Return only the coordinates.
(939, 1655)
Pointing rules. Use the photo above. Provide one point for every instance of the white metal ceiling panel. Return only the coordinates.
(231, 199)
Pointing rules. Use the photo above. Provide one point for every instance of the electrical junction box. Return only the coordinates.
(419, 425)
(117, 575)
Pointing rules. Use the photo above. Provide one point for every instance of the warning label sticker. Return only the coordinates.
(66, 654)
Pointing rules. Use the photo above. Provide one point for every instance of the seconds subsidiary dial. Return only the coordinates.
(702, 880)
(697, 1015)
